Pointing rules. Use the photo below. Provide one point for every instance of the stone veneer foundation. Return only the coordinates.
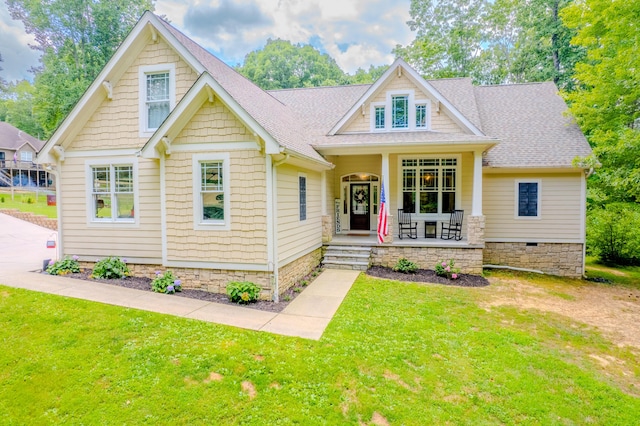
(216, 280)
(469, 260)
(564, 259)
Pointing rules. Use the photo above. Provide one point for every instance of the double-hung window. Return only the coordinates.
(528, 199)
(112, 193)
(211, 191)
(429, 185)
(26, 156)
(157, 95)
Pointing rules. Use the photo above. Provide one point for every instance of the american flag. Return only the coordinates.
(382, 217)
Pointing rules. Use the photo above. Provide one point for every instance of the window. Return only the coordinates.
(26, 156)
(421, 116)
(112, 193)
(211, 205)
(157, 96)
(379, 111)
(429, 185)
(400, 112)
(528, 195)
(302, 191)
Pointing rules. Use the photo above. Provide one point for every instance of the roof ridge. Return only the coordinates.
(528, 83)
(342, 86)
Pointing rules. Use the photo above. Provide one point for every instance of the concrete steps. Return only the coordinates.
(347, 257)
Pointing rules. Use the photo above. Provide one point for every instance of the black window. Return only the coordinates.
(528, 199)
(302, 186)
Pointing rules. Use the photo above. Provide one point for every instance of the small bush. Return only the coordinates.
(243, 292)
(2, 199)
(405, 266)
(446, 269)
(304, 283)
(110, 268)
(166, 283)
(613, 233)
(64, 266)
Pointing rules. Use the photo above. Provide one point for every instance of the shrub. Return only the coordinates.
(243, 292)
(110, 268)
(405, 266)
(613, 233)
(446, 269)
(166, 283)
(64, 266)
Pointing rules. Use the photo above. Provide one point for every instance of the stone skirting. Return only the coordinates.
(475, 230)
(564, 259)
(36, 219)
(216, 280)
(327, 228)
(469, 260)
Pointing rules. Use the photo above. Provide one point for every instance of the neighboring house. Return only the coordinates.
(173, 160)
(17, 158)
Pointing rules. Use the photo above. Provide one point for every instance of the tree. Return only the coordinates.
(18, 108)
(282, 65)
(606, 101)
(366, 77)
(77, 38)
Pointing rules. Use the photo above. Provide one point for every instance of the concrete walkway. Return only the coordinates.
(23, 248)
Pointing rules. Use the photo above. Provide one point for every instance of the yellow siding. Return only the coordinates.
(440, 122)
(115, 124)
(84, 239)
(213, 123)
(561, 212)
(295, 236)
(246, 241)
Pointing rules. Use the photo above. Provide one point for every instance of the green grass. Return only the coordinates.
(27, 202)
(415, 354)
(628, 276)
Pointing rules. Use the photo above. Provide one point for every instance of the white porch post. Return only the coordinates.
(387, 190)
(477, 184)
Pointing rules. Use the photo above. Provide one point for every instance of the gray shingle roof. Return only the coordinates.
(12, 138)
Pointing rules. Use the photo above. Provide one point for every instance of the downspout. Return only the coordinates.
(272, 225)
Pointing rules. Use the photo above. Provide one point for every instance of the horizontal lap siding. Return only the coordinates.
(295, 236)
(561, 208)
(85, 239)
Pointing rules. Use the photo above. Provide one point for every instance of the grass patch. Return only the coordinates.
(28, 202)
(628, 276)
(408, 353)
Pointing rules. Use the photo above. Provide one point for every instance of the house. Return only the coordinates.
(171, 159)
(17, 158)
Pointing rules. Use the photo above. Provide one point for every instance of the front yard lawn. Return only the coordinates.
(396, 353)
(28, 202)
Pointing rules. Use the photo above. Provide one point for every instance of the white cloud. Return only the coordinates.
(17, 55)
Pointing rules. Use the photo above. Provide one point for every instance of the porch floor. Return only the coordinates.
(363, 238)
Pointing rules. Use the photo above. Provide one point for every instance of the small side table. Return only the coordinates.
(430, 229)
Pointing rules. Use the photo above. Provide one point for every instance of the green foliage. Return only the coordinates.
(110, 268)
(64, 266)
(283, 65)
(613, 233)
(18, 108)
(166, 283)
(243, 292)
(405, 266)
(606, 101)
(447, 269)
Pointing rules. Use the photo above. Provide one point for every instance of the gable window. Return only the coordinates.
(302, 196)
(400, 112)
(528, 196)
(379, 112)
(429, 185)
(157, 96)
(112, 193)
(26, 156)
(421, 116)
(211, 191)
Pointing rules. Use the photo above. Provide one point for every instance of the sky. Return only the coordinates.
(356, 33)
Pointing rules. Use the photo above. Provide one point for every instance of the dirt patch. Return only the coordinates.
(379, 420)
(613, 310)
(249, 389)
(214, 377)
(428, 276)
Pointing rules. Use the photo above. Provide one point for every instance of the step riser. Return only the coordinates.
(347, 257)
(352, 267)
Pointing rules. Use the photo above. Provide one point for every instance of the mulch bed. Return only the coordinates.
(428, 276)
(141, 283)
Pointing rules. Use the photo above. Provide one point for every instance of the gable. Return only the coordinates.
(124, 106)
(439, 120)
(213, 122)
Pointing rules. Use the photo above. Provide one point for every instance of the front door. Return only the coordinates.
(360, 216)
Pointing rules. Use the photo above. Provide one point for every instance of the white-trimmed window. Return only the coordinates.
(379, 117)
(400, 112)
(302, 196)
(112, 192)
(157, 95)
(528, 199)
(26, 156)
(211, 191)
(421, 116)
(430, 185)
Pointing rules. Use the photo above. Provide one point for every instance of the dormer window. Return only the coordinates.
(157, 96)
(405, 113)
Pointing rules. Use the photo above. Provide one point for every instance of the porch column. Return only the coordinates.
(475, 223)
(387, 191)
